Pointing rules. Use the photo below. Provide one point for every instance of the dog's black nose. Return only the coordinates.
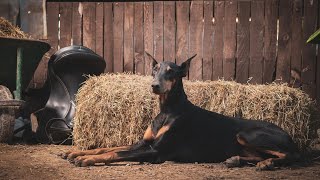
(155, 86)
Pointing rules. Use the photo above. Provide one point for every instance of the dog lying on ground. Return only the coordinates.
(183, 132)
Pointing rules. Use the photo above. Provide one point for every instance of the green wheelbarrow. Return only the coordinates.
(18, 62)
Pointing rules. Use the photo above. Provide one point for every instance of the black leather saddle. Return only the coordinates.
(66, 72)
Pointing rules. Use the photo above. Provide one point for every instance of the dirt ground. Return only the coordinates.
(41, 162)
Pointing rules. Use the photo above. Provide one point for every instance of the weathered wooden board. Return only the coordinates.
(318, 68)
(52, 16)
(9, 9)
(308, 72)
(229, 39)
(65, 24)
(169, 31)
(33, 18)
(108, 36)
(128, 37)
(118, 15)
(243, 43)
(196, 32)
(217, 72)
(89, 25)
(296, 43)
(182, 36)
(207, 40)
(99, 28)
(256, 42)
(77, 10)
(270, 40)
(148, 35)
(284, 41)
(138, 38)
(158, 30)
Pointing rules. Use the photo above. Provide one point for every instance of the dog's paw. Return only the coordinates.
(265, 165)
(64, 155)
(81, 162)
(233, 162)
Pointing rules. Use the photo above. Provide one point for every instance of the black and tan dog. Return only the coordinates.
(183, 132)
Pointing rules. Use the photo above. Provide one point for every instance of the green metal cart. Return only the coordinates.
(19, 59)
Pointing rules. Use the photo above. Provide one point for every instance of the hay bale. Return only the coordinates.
(11, 31)
(115, 109)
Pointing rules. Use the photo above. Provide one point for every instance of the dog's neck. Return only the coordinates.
(175, 98)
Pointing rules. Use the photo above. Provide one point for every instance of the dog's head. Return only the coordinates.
(166, 74)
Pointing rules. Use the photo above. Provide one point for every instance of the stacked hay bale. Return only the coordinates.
(115, 109)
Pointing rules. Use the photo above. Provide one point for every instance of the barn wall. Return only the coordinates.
(258, 41)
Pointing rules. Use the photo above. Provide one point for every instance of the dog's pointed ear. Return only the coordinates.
(154, 61)
(185, 66)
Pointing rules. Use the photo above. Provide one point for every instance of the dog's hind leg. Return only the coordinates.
(281, 158)
(275, 147)
(247, 157)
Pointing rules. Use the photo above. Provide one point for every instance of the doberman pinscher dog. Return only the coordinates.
(183, 132)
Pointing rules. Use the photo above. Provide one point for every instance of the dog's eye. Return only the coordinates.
(169, 70)
(154, 70)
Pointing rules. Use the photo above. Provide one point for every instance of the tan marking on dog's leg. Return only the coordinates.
(241, 140)
(276, 153)
(73, 154)
(162, 130)
(148, 135)
(90, 160)
(270, 163)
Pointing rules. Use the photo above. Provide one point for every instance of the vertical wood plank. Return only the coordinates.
(229, 38)
(296, 43)
(158, 30)
(207, 40)
(32, 17)
(169, 30)
(9, 9)
(128, 36)
(138, 38)
(89, 25)
(52, 16)
(270, 40)
(108, 36)
(77, 9)
(196, 30)
(182, 37)
(256, 41)
(309, 50)
(218, 40)
(65, 24)
(99, 28)
(284, 42)
(118, 10)
(243, 45)
(318, 80)
(148, 35)
(318, 67)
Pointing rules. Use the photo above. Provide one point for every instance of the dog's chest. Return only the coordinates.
(162, 120)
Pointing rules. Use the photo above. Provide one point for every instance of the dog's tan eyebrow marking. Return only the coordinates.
(168, 68)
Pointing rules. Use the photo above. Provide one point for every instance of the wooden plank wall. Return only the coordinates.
(256, 41)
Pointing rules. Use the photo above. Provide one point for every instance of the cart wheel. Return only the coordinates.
(7, 115)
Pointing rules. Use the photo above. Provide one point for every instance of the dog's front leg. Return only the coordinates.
(143, 154)
(70, 155)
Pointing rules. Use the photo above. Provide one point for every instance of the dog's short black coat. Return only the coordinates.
(184, 132)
